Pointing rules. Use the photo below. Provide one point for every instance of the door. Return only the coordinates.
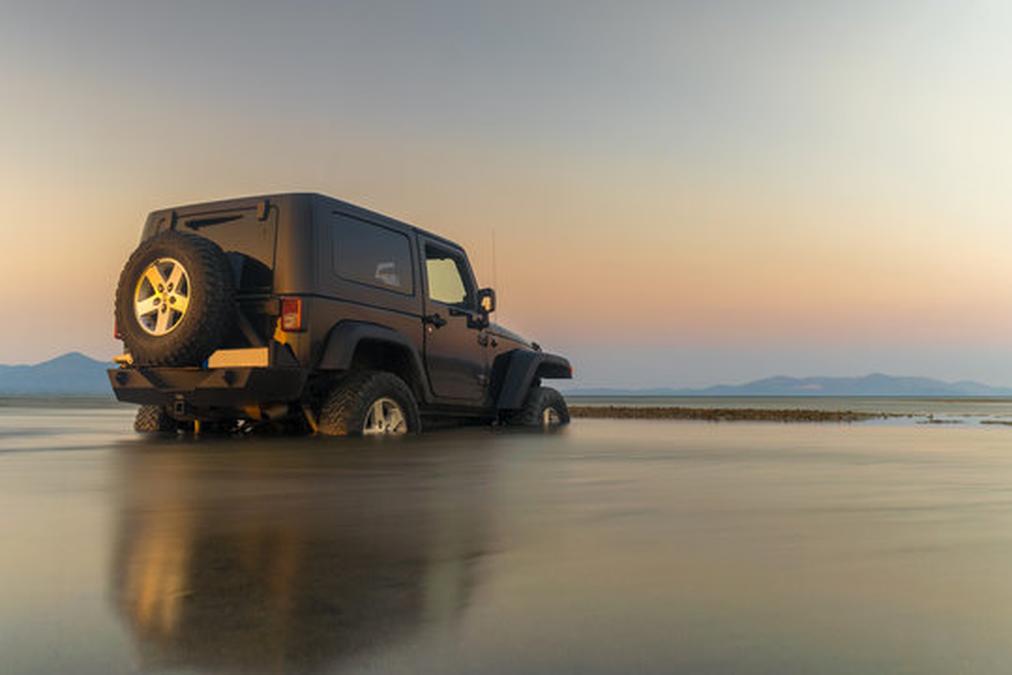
(454, 338)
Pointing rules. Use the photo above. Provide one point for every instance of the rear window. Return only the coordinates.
(246, 239)
(373, 255)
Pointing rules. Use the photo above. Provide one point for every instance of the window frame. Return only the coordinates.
(335, 239)
(463, 269)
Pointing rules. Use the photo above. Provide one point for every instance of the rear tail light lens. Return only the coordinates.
(291, 314)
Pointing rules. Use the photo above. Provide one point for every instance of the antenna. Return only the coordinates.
(495, 276)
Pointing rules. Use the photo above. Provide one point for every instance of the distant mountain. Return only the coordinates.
(72, 374)
(876, 384)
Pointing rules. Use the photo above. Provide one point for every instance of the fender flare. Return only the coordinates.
(345, 337)
(520, 371)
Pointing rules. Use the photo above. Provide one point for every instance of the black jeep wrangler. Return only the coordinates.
(306, 312)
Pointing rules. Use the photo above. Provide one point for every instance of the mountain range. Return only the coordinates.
(72, 374)
(75, 374)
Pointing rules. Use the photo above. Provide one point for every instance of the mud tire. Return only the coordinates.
(539, 400)
(345, 407)
(209, 317)
(152, 419)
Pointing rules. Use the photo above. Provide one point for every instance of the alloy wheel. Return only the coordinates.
(550, 417)
(385, 417)
(162, 296)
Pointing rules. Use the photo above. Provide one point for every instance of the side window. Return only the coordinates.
(373, 255)
(447, 278)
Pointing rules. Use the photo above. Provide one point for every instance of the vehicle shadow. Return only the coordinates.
(274, 555)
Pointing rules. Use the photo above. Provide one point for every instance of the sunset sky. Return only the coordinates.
(681, 194)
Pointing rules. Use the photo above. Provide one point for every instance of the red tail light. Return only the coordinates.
(117, 334)
(291, 314)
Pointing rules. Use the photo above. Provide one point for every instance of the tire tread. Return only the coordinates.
(213, 319)
(344, 407)
(152, 419)
(537, 400)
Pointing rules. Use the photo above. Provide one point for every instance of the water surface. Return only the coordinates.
(615, 546)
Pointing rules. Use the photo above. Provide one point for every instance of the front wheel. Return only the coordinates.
(369, 403)
(545, 408)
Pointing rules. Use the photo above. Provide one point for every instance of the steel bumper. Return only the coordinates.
(203, 387)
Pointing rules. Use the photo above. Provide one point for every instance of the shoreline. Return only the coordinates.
(725, 414)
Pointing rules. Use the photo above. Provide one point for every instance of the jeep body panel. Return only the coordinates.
(455, 346)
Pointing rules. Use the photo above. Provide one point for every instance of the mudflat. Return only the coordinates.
(724, 414)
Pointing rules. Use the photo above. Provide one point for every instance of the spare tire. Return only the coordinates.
(175, 302)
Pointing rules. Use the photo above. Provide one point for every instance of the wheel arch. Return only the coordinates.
(522, 369)
(358, 344)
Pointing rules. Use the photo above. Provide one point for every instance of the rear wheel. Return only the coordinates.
(369, 403)
(152, 419)
(544, 408)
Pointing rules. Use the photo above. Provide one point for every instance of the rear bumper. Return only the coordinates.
(207, 388)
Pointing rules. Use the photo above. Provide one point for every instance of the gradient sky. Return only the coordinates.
(681, 194)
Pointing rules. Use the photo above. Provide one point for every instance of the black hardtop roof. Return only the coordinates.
(338, 205)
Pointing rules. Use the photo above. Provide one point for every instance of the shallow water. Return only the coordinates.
(613, 547)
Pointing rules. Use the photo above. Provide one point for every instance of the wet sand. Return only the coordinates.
(616, 546)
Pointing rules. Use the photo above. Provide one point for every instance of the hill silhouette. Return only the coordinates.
(72, 374)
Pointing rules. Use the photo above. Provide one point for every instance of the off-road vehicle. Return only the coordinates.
(303, 311)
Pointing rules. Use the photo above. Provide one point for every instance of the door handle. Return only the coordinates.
(434, 320)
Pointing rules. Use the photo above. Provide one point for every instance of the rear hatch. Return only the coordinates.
(246, 231)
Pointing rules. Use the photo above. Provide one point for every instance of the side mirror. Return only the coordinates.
(486, 300)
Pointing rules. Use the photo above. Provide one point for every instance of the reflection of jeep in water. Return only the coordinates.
(303, 310)
(292, 560)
